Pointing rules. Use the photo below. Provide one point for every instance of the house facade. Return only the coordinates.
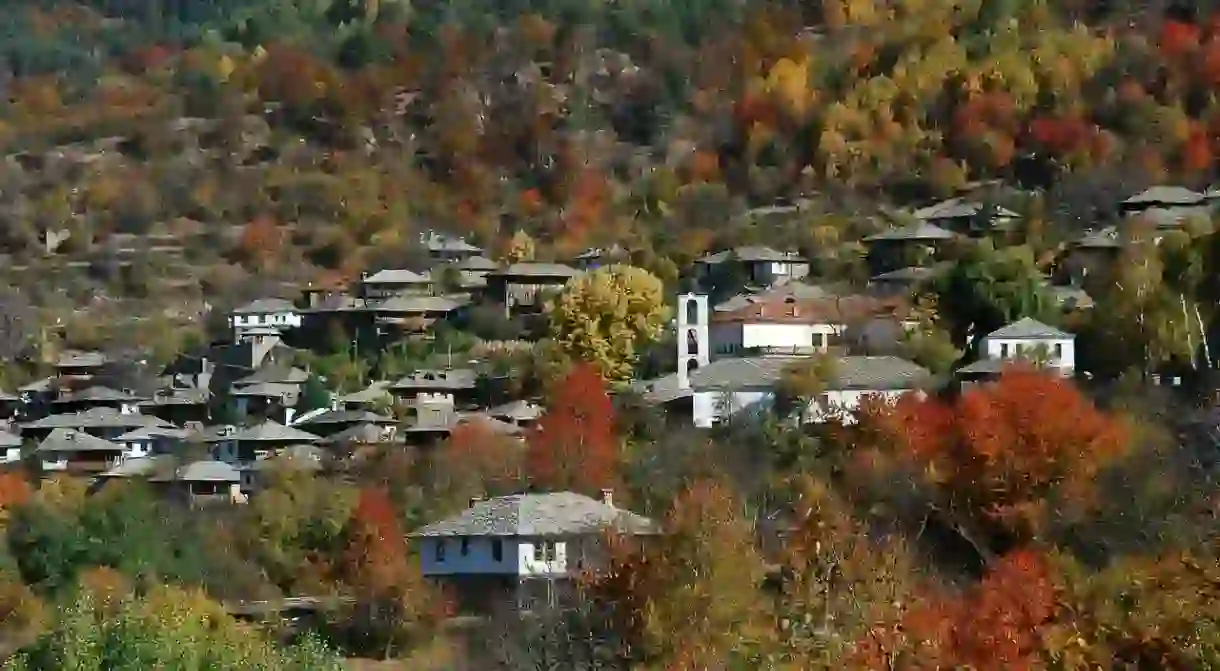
(268, 313)
(1024, 341)
(521, 550)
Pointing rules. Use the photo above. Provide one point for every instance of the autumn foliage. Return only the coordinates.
(998, 452)
(1002, 622)
(575, 446)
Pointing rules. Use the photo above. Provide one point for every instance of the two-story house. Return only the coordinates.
(78, 453)
(448, 248)
(1027, 341)
(523, 549)
(788, 324)
(452, 387)
(524, 288)
(917, 245)
(755, 266)
(386, 283)
(265, 313)
(967, 217)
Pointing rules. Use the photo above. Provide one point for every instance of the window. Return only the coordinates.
(692, 311)
(550, 552)
(538, 550)
(1003, 350)
(465, 546)
(497, 549)
(440, 550)
(1058, 351)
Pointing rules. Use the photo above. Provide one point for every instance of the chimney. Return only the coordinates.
(289, 413)
(608, 497)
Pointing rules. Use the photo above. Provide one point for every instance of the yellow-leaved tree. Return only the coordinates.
(606, 316)
(520, 248)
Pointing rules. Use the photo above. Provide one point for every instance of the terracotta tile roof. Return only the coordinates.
(825, 310)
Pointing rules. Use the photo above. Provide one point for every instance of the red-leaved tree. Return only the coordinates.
(393, 605)
(575, 446)
(996, 454)
(1003, 622)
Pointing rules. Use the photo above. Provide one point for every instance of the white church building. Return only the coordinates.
(743, 379)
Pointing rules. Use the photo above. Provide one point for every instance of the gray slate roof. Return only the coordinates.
(276, 374)
(146, 432)
(798, 290)
(537, 270)
(370, 394)
(660, 390)
(177, 397)
(957, 208)
(76, 359)
(1174, 216)
(8, 439)
(908, 274)
(96, 418)
(273, 432)
(439, 242)
(1028, 328)
(751, 254)
(266, 390)
(531, 515)
(919, 231)
(265, 306)
(347, 417)
(453, 379)
(138, 467)
(397, 276)
(1106, 238)
(203, 471)
(877, 373)
(410, 303)
(1167, 195)
(517, 410)
(476, 263)
(97, 394)
(365, 434)
(69, 440)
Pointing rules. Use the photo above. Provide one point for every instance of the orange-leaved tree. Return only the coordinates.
(575, 445)
(1006, 621)
(993, 457)
(393, 606)
(690, 598)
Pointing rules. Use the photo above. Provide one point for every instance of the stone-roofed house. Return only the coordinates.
(596, 257)
(76, 452)
(972, 218)
(1168, 207)
(265, 313)
(203, 482)
(756, 266)
(916, 244)
(1162, 196)
(726, 387)
(1093, 252)
(151, 440)
(242, 446)
(521, 413)
(75, 363)
(901, 282)
(377, 393)
(97, 396)
(448, 248)
(414, 313)
(523, 549)
(105, 423)
(1024, 341)
(392, 281)
(525, 287)
(178, 405)
(335, 420)
(454, 386)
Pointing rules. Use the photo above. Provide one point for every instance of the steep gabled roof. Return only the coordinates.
(273, 432)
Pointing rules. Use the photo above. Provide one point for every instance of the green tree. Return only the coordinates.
(167, 628)
(314, 395)
(801, 385)
(607, 316)
(987, 289)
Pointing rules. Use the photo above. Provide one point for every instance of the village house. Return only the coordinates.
(151, 440)
(78, 364)
(453, 387)
(966, 217)
(265, 313)
(386, 283)
(902, 282)
(78, 453)
(914, 245)
(202, 483)
(97, 396)
(524, 288)
(330, 421)
(747, 385)
(754, 266)
(106, 423)
(522, 550)
(414, 314)
(178, 406)
(1026, 341)
(448, 248)
(11, 444)
(1092, 254)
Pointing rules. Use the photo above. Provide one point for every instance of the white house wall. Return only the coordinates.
(1012, 348)
(735, 337)
(707, 407)
(517, 558)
